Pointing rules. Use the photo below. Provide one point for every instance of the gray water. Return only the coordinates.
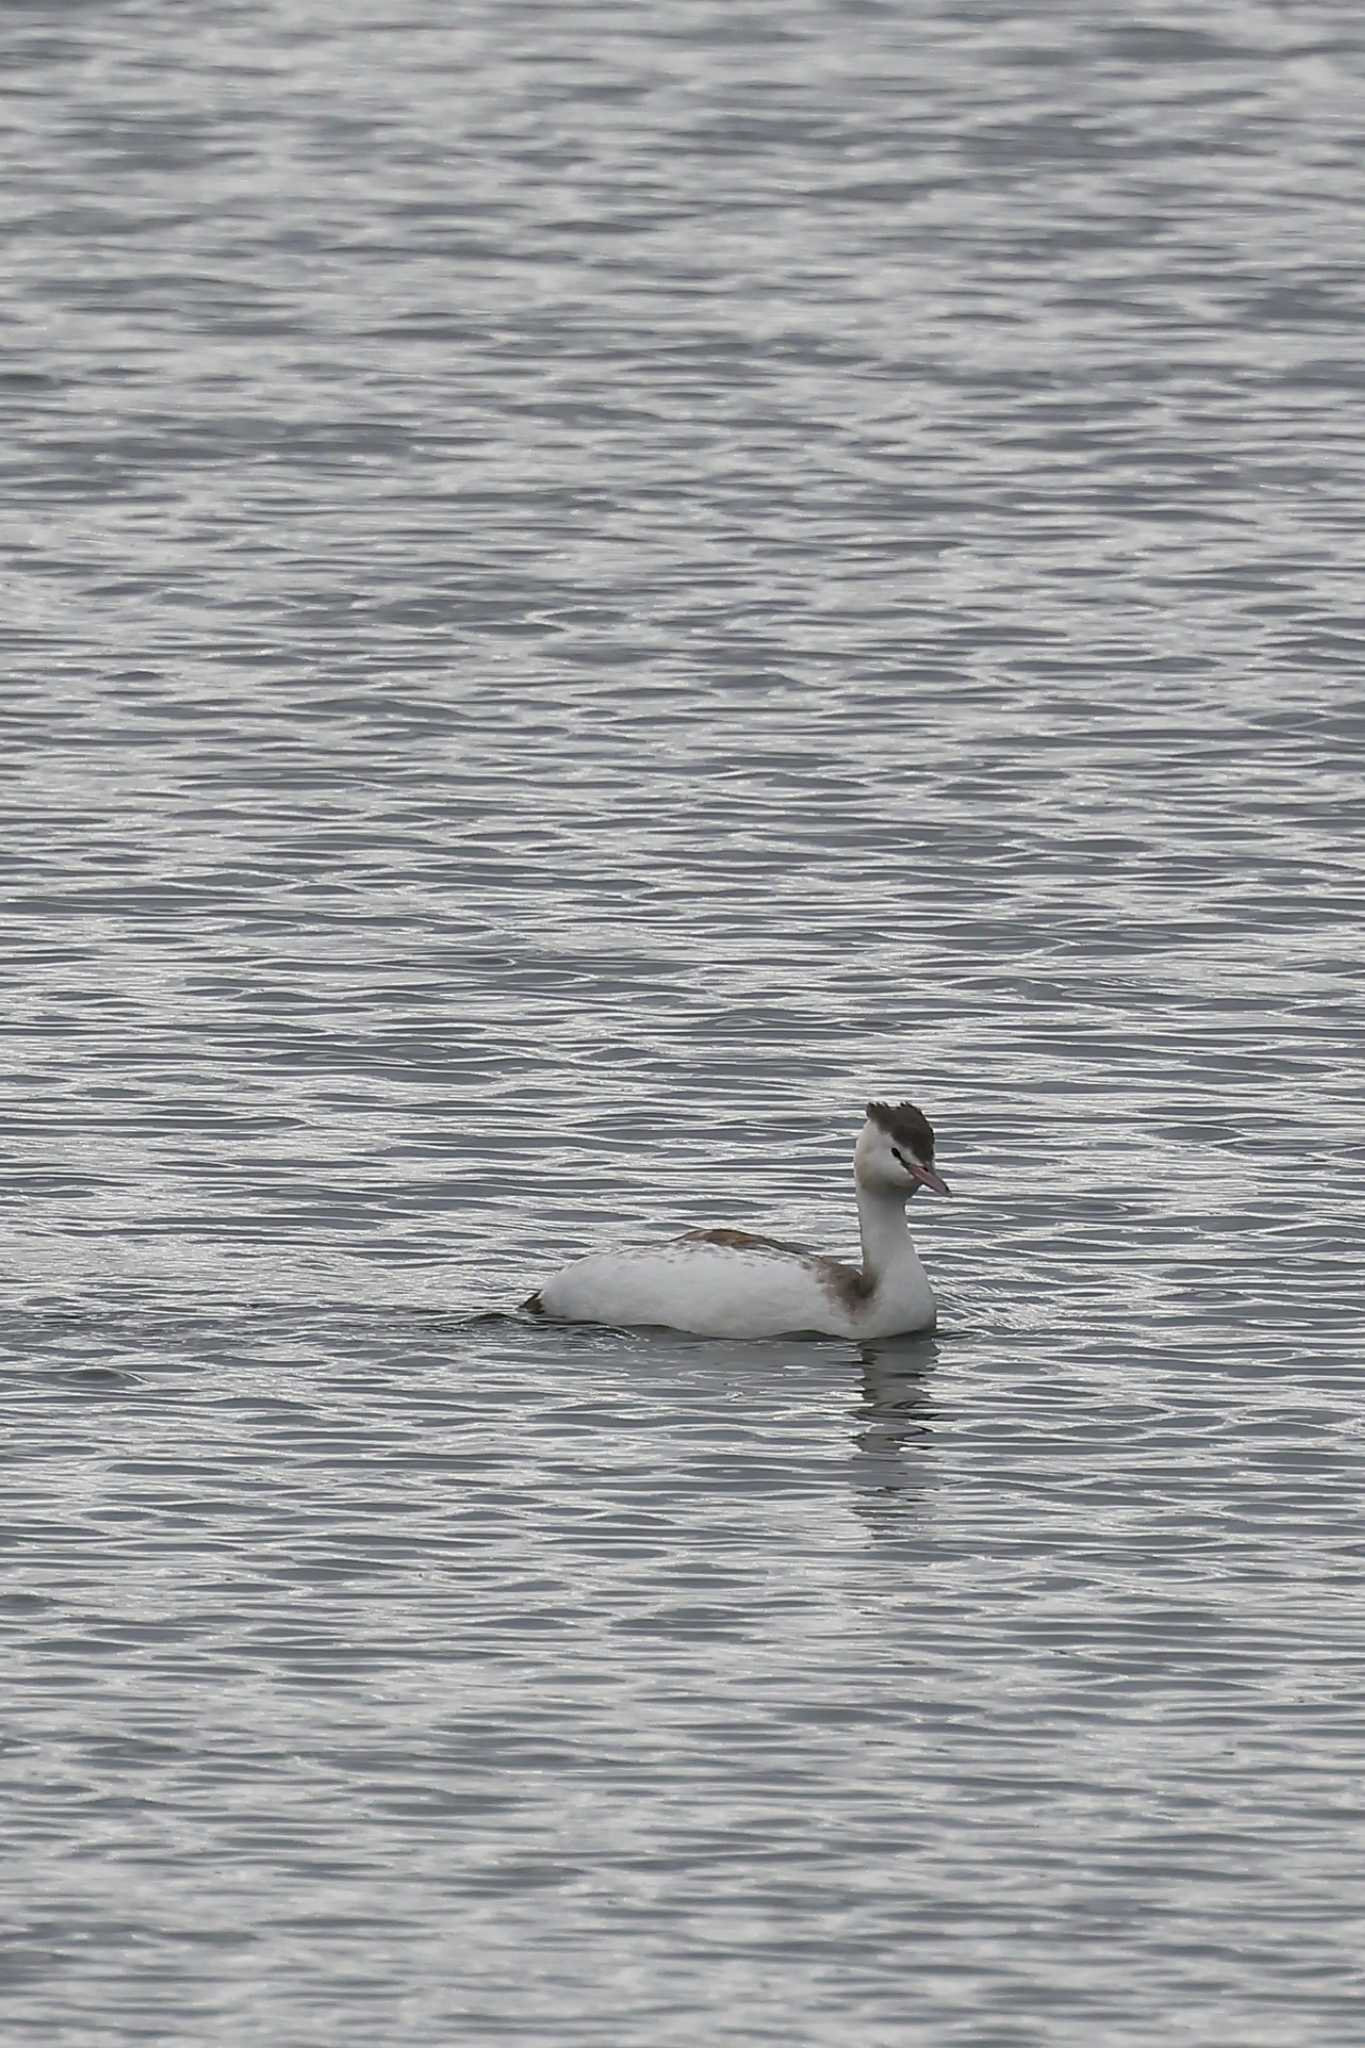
(586, 587)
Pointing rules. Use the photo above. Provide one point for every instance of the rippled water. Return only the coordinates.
(586, 588)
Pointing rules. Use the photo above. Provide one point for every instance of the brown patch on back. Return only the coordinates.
(741, 1241)
(533, 1304)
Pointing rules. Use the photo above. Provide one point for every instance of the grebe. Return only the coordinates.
(727, 1283)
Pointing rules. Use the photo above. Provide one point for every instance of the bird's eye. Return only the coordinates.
(896, 1150)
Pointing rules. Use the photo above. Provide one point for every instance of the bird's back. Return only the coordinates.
(722, 1283)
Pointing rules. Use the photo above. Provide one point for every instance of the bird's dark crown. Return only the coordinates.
(907, 1126)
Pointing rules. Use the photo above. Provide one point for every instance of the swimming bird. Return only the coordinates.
(730, 1283)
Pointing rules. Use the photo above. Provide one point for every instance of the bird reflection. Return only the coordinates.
(895, 1415)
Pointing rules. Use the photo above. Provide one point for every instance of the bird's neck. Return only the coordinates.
(887, 1249)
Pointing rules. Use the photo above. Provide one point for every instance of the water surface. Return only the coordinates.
(587, 590)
